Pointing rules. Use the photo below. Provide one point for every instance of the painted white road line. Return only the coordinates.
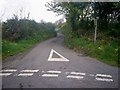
(8, 70)
(50, 75)
(25, 74)
(54, 71)
(104, 79)
(29, 71)
(76, 77)
(58, 60)
(77, 73)
(5, 74)
(103, 75)
(50, 58)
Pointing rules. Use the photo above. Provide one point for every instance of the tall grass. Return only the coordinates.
(10, 48)
(105, 49)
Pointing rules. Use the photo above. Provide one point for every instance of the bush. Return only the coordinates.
(105, 49)
(17, 29)
(20, 34)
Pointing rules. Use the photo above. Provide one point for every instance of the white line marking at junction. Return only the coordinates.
(8, 70)
(54, 71)
(104, 79)
(50, 75)
(5, 74)
(76, 77)
(25, 74)
(56, 59)
(29, 71)
(77, 73)
(103, 75)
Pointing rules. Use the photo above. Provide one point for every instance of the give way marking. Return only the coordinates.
(59, 58)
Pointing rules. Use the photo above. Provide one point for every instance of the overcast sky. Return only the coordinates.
(37, 9)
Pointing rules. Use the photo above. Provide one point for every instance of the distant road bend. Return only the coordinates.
(51, 65)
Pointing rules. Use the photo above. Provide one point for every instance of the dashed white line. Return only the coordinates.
(29, 71)
(76, 77)
(103, 75)
(5, 74)
(77, 73)
(54, 71)
(25, 74)
(8, 70)
(50, 75)
(104, 79)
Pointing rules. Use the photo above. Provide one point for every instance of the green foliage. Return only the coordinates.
(79, 28)
(20, 34)
(79, 16)
(10, 48)
(105, 50)
(17, 29)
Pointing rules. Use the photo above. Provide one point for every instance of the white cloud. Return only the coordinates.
(37, 9)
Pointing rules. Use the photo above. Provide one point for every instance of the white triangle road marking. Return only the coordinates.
(56, 59)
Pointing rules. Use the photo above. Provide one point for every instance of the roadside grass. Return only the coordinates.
(107, 53)
(21, 34)
(11, 48)
(105, 49)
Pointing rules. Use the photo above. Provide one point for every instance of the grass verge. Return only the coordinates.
(105, 49)
(11, 48)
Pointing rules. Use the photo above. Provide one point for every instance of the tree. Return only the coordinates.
(79, 15)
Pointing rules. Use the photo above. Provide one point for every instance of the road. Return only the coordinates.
(51, 65)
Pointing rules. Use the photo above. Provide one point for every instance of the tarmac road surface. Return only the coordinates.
(51, 65)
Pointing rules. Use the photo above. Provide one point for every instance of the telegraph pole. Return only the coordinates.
(0, 50)
(95, 34)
